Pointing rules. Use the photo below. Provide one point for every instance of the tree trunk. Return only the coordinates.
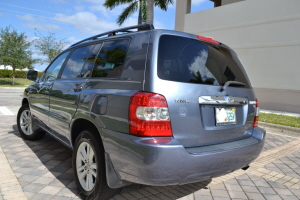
(140, 18)
(13, 76)
(150, 12)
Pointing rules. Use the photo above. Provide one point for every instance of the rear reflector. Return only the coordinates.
(149, 115)
(208, 39)
(255, 121)
(157, 141)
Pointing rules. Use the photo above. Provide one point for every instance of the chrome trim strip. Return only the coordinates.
(217, 100)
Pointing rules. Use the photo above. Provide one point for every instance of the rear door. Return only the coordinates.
(190, 74)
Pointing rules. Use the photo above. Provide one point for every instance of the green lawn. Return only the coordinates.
(280, 119)
(19, 82)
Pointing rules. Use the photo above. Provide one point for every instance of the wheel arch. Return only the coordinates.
(25, 101)
(80, 124)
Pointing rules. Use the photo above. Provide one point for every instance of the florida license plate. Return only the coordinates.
(225, 116)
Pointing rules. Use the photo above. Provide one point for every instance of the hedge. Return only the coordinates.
(5, 73)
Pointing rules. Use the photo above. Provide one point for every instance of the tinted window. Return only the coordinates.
(76, 61)
(191, 61)
(54, 68)
(110, 60)
(88, 66)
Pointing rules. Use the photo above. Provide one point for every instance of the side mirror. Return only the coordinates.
(32, 75)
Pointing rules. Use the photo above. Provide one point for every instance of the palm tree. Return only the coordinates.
(150, 12)
(145, 9)
(133, 6)
(162, 4)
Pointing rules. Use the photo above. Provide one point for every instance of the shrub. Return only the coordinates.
(5, 73)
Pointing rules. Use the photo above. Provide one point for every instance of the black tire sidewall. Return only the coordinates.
(87, 136)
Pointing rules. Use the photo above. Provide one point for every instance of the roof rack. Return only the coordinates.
(142, 27)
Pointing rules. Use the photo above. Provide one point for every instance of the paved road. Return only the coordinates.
(42, 170)
(10, 97)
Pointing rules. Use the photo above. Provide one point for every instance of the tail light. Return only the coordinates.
(149, 115)
(255, 122)
(208, 39)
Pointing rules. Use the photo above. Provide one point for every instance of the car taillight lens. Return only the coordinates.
(255, 122)
(208, 39)
(149, 115)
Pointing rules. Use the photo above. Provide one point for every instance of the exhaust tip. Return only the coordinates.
(245, 168)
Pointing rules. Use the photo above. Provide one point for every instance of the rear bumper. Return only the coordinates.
(172, 164)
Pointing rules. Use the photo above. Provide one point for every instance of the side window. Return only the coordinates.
(110, 60)
(53, 70)
(88, 66)
(76, 61)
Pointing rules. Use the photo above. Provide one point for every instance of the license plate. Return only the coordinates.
(225, 116)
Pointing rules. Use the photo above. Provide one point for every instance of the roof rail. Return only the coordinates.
(142, 27)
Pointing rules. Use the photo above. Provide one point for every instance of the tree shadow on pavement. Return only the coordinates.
(135, 191)
(46, 162)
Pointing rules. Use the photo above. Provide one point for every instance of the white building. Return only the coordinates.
(10, 68)
(266, 36)
(5, 67)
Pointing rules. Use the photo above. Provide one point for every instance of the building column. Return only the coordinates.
(183, 7)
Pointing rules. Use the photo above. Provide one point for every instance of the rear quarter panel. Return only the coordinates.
(105, 101)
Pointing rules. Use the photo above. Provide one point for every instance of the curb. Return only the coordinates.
(281, 127)
(279, 113)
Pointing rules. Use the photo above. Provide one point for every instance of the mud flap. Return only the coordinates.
(113, 180)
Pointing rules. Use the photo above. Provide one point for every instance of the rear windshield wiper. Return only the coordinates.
(237, 83)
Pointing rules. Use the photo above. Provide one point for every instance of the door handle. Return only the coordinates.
(49, 86)
(78, 87)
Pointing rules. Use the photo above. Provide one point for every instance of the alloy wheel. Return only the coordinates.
(26, 122)
(86, 166)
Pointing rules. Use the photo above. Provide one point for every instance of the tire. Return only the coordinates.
(91, 167)
(26, 128)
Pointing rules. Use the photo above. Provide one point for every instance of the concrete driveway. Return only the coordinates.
(42, 169)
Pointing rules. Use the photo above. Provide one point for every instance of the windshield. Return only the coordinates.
(191, 61)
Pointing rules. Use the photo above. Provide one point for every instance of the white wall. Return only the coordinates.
(225, 2)
(182, 8)
(264, 33)
(266, 36)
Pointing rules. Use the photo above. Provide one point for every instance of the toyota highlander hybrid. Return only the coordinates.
(147, 106)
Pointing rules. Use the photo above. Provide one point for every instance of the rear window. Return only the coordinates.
(191, 61)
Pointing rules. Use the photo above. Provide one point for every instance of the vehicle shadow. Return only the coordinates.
(49, 163)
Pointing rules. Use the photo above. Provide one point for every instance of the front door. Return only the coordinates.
(65, 92)
(39, 93)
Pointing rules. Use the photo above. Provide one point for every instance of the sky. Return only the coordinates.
(75, 20)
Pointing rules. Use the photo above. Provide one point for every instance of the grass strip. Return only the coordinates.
(19, 82)
(280, 119)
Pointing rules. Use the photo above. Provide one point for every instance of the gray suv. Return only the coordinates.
(146, 106)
